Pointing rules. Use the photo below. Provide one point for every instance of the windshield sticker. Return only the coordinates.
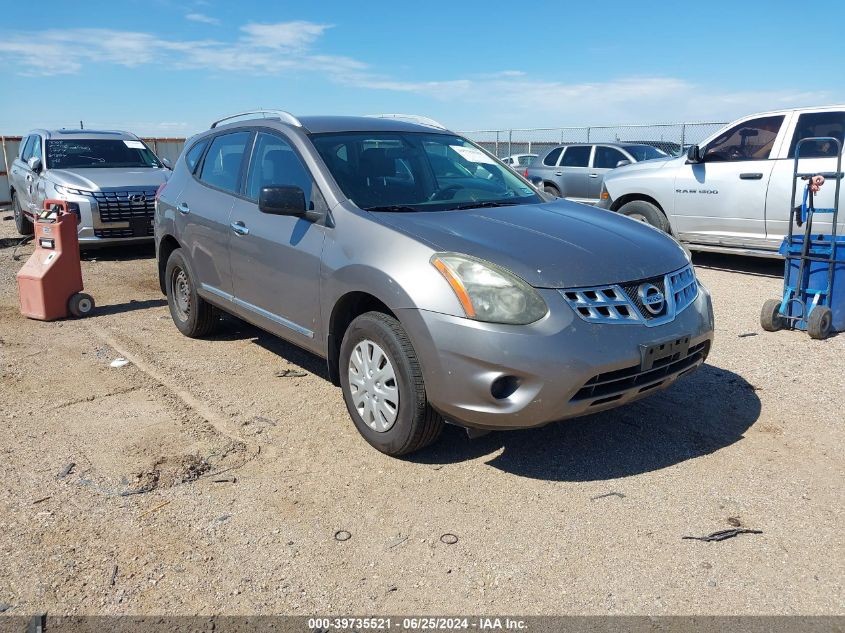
(134, 144)
(473, 154)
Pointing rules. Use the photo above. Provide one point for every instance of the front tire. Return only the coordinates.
(383, 386)
(552, 190)
(193, 316)
(22, 222)
(645, 212)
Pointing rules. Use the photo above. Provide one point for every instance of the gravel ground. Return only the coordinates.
(205, 483)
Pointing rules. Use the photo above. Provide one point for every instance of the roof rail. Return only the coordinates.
(411, 118)
(281, 115)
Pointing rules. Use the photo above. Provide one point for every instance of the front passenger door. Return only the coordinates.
(722, 200)
(276, 258)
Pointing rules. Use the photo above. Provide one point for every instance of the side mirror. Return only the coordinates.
(623, 162)
(166, 162)
(694, 155)
(282, 201)
(34, 164)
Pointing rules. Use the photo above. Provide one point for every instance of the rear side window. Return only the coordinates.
(607, 157)
(194, 154)
(552, 157)
(274, 163)
(222, 165)
(750, 140)
(818, 124)
(576, 156)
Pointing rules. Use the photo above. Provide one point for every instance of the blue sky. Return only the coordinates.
(168, 68)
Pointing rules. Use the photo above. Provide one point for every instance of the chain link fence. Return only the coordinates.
(672, 138)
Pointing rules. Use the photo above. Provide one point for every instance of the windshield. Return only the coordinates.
(644, 152)
(411, 171)
(99, 153)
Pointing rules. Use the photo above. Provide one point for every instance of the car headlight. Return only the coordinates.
(69, 190)
(488, 292)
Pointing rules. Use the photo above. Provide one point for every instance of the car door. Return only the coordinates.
(605, 158)
(722, 199)
(204, 207)
(23, 179)
(276, 258)
(818, 157)
(572, 172)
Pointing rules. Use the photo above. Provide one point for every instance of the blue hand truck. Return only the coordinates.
(814, 277)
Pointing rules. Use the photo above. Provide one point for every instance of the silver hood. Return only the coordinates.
(102, 179)
(556, 244)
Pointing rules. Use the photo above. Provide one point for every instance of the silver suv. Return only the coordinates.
(108, 178)
(436, 282)
(576, 171)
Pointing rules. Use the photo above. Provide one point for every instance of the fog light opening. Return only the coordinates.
(504, 387)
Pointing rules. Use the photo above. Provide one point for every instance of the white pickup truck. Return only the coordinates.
(732, 193)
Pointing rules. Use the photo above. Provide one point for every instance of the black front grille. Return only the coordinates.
(112, 233)
(613, 385)
(633, 292)
(121, 206)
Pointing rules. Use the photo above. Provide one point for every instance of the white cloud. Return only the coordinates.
(297, 35)
(262, 49)
(500, 98)
(202, 18)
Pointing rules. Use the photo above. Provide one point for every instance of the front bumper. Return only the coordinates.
(93, 231)
(564, 366)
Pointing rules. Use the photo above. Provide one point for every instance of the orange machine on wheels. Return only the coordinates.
(50, 283)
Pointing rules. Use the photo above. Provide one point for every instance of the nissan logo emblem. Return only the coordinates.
(137, 198)
(652, 298)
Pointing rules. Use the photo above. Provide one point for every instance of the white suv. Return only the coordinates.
(732, 193)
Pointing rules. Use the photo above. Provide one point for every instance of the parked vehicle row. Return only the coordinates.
(732, 192)
(438, 284)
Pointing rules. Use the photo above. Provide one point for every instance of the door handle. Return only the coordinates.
(239, 228)
(751, 176)
(593, 175)
(183, 208)
(558, 173)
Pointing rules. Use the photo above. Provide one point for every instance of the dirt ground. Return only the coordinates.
(203, 482)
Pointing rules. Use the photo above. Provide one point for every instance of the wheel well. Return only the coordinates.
(167, 245)
(623, 200)
(347, 309)
(552, 184)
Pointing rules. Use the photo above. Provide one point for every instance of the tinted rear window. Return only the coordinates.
(576, 156)
(552, 157)
(222, 165)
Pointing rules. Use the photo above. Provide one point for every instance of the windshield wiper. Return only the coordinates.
(483, 205)
(392, 207)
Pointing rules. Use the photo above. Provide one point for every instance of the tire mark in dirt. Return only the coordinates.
(220, 424)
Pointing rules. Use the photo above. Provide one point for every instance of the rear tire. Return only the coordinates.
(770, 318)
(645, 212)
(80, 305)
(820, 323)
(22, 222)
(193, 316)
(414, 424)
(552, 190)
